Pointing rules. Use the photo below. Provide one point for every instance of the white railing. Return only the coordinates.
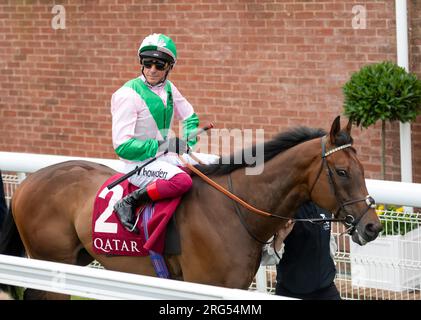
(31, 162)
(105, 284)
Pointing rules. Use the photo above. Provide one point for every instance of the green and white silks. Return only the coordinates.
(142, 115)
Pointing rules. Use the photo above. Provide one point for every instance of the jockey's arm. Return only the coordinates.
(190, 126)
(185, 112)
(137, 150)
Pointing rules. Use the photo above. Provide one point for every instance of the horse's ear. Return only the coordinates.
(348, 127)
(334, 130)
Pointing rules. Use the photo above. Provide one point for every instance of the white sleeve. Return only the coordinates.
(269, 257)
(124, 116)
(333, 247)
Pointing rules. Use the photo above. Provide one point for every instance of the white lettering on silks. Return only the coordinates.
(110, 245)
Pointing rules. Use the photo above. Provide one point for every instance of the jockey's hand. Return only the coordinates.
(175, 145)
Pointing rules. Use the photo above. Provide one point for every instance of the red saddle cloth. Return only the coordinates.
(110, 237)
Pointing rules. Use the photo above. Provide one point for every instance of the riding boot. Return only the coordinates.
(126, 208)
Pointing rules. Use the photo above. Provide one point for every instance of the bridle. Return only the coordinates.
(349, 220)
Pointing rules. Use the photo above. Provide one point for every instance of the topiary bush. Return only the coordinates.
(382, 91)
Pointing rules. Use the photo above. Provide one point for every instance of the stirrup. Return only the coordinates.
(134, 225)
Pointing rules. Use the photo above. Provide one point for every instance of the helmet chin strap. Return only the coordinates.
(162, 81)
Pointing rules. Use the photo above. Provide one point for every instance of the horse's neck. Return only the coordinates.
(281, 187)
(208, 221)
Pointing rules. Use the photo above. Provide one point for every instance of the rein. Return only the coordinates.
(229, 194)
(233, 197)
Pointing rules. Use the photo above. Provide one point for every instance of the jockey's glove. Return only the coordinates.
(174, 144)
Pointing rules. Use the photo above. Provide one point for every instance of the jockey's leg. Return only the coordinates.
(174, 187)
(177, 184)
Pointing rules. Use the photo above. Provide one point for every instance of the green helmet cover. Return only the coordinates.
(158, 43)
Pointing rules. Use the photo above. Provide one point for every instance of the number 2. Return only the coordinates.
(100, 224)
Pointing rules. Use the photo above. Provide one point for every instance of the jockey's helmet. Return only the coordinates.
(158, 46)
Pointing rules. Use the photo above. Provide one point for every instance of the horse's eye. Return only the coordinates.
(341, 173)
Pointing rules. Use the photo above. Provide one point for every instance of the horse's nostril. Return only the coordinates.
(372, 230)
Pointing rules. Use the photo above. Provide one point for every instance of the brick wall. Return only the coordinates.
(242, 64)
(415, 66)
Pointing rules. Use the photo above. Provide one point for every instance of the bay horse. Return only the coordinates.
(52, 209)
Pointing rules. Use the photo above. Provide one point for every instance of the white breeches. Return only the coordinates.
(164, 167)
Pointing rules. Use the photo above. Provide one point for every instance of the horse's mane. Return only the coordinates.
(281, 142)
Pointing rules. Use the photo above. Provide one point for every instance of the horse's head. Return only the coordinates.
(339, 185)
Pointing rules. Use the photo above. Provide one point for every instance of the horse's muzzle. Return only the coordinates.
(366, 233)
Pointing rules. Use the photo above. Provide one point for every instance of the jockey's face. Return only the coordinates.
(154, 70)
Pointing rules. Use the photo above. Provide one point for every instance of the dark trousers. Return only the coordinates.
(328, 293)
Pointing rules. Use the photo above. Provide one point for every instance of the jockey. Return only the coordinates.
(143, 110)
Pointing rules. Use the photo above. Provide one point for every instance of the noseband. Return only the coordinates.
(349, 220)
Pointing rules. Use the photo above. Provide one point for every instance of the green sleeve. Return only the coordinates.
(137, 150)
(190, 126)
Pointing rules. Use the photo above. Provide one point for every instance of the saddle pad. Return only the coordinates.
(111, 238)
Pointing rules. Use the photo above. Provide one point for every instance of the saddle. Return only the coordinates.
(111, 238)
